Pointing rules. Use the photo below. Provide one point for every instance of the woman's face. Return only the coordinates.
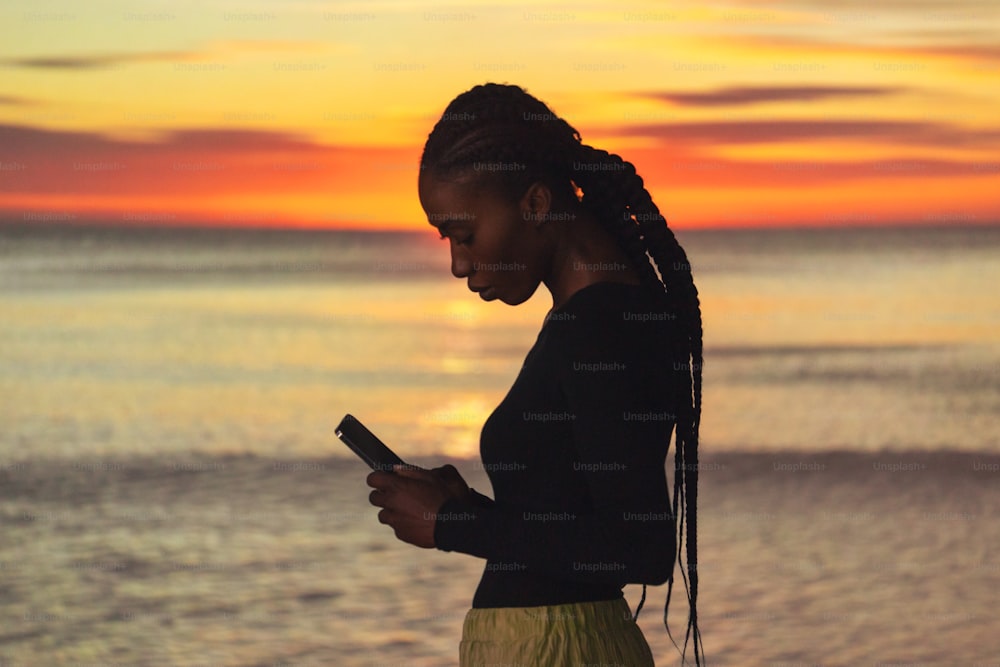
(495, 243)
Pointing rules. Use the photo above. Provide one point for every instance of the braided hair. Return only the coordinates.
(503, 123)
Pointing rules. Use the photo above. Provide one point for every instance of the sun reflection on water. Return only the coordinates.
(460, 422)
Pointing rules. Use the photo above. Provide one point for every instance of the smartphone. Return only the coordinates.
(364, 443)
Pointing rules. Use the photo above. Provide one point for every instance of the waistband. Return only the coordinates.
(499, 624)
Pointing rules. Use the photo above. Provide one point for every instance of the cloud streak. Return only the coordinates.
(99, 61)
(898, 132)
(804, 47)
(15, 101)
(108, 60)
(743, 95)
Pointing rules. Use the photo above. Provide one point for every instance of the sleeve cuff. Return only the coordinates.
(462, 526)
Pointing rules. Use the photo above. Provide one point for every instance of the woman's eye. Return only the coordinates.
(465, 241)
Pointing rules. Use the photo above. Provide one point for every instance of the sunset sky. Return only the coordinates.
(310, 113)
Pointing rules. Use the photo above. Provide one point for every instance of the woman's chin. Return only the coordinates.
(513, 300)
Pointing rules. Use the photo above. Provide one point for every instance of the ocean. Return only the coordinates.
(171, 491)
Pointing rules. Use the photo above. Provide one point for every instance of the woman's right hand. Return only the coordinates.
(452, 479)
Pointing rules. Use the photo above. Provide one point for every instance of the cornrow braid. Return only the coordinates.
(503, 123)
(497, 123)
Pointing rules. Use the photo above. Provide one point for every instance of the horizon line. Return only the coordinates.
(215, 226)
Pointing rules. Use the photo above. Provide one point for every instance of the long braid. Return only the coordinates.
(624, 196)
(494, 122)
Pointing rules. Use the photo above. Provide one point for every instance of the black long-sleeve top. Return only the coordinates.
(575, 453)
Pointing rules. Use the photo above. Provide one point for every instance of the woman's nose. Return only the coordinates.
(461, 265)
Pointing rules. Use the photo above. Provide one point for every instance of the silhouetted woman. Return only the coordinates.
(576, 450)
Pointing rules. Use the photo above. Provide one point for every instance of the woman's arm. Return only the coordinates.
(613, 543)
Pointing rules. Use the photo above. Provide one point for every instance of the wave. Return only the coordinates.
(89, 477)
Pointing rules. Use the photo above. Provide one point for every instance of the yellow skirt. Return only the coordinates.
(581, 633)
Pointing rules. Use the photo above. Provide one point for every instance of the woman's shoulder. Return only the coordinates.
(611, 313)
(619, 331)
(609, 302)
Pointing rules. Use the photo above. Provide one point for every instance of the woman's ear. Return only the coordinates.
(536, 203)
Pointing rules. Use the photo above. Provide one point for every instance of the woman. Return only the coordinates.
(575, 452)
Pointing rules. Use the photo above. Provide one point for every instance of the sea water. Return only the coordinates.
(171, 492)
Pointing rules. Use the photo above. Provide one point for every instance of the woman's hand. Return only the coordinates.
(411, 497)
(453, 480)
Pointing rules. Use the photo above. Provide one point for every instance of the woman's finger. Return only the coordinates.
(380, 479)
(415, 473)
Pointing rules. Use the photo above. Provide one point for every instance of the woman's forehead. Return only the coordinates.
(464, 191)
(449, 203)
